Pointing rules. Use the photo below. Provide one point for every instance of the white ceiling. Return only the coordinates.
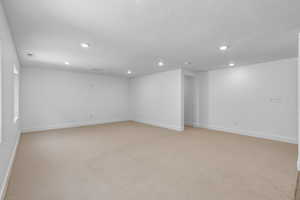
(136, 34)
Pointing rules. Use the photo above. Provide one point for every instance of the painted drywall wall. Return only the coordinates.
(189, 100)
(298, 102)
(157, 99)
(258, 100)
(10, 129)
(202, 99)
(56, 99)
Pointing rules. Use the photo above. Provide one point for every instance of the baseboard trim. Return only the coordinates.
(254, 134)
(70, 125)
(161, 125)
(8, 172)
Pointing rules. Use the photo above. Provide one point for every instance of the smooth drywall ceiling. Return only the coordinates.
(10, 130)
(157, 99)
(258, 100)
(56, 99)
(132, 34)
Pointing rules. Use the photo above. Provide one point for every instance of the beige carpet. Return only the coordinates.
(297, 190)
(132, 161)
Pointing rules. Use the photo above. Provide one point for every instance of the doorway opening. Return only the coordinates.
(189, 100)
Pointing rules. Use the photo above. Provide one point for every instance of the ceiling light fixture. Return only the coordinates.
(231, 64)
(160, 63)
(85, 45)
(223, 48)
(67, 63)
(129, 72)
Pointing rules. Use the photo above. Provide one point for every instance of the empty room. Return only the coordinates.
(149, 100)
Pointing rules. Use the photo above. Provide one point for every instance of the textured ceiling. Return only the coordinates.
(137, 34)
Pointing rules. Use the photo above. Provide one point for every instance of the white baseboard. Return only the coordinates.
(255, 134)
(161, 125)
(172, 127)
(69, 125)
(8, 172)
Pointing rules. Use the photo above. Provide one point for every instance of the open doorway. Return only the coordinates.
(189, 100)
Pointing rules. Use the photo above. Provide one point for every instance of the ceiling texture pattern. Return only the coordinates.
(137, 34)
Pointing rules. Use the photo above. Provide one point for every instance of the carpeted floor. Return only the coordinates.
(297, 190)
(132, 161)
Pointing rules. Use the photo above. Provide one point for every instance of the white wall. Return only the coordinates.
(56, 99)
(10, 130)
(189, 100)
(298, 101)
(202, 99)
(157, 99)
(259, 100)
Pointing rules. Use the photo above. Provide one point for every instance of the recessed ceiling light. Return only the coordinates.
(15, 69)
(67, 63)
(129, 72)
(85, 45)
(223, 48)
(231, 64)
(160, 63)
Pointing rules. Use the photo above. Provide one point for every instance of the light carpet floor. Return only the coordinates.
(132, 161)
(297, 190)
